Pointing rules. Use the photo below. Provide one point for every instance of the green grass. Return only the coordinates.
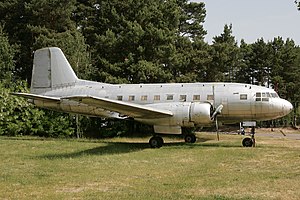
(126, 168)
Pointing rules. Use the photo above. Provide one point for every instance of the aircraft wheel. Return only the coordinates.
(247, 142)
(156, 142)
(190, 138)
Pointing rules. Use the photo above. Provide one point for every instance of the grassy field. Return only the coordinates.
(126, 168)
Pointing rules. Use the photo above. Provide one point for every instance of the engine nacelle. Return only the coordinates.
(200, 113)
(185, 114)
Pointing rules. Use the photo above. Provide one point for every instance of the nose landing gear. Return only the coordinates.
(249, 141)
(190, 138)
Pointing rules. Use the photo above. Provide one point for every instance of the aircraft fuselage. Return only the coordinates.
(241, 102)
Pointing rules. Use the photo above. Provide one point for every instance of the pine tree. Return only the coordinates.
(130, 39)
(224, 53)
(298, 4)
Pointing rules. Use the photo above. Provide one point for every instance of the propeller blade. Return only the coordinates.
(218, 110)
(217, 127)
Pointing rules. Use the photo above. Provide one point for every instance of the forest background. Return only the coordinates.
(129, 41)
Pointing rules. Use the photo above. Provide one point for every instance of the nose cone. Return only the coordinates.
(287, 107)
(280, 107)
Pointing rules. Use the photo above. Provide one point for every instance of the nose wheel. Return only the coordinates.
(190, 138)
(249, 141)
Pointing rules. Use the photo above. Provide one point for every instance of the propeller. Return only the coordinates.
(214, 116)
(217, 111)
(217, 127)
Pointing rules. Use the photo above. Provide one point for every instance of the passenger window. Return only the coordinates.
(144, 98)
(156, 97)
(265, 99)
(169, 96)
(182, 98)
(243, 96)
(120, 98)
(210, 97)
(131, 98)
(258, 99)
(196, 98)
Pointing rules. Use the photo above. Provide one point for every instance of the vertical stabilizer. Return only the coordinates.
(51, 70)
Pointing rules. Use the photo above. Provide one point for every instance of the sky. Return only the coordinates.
(253, 19)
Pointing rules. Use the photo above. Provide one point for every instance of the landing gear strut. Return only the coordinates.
(156, 142)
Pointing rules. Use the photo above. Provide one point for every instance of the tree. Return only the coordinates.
(191, 20)
(132, 38)
(260, 62)
(244, 73)
(41, 23)
(6, 57)
(14, 25)
(286, 71)
(19, 118)
(298, 4)
(224, 53)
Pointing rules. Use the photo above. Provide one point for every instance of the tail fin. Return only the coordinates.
(51, 70)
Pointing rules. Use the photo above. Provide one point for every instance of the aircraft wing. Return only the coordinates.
(124, 108)
(36, 97)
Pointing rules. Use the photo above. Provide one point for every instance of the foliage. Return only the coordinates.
(298, 4)
(224, 55)
(132, 38)
(6, 56)
(18, 117)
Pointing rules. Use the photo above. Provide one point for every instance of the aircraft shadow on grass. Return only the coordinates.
(127, 147)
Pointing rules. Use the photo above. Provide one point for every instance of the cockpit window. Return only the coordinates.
(258, 96)
(274, 95)
(265, 99)
(264, 96)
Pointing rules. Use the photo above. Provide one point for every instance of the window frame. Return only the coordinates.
(196, 97)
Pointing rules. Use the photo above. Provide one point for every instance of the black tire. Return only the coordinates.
(156, 142)
(247, 142)
(190, 138)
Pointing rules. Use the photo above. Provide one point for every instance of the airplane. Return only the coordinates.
(171, 108)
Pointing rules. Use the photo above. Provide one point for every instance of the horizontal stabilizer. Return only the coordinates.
(36, 97)
(124, 108)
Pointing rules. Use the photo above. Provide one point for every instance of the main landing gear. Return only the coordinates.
(190, 138)
(157, 141)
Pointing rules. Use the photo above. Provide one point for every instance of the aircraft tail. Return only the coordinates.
(51, 70)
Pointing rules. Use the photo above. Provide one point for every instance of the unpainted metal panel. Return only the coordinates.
(41, 75)
(62, 73)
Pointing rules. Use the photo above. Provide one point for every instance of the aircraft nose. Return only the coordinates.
(287, 107)
(281, 107)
